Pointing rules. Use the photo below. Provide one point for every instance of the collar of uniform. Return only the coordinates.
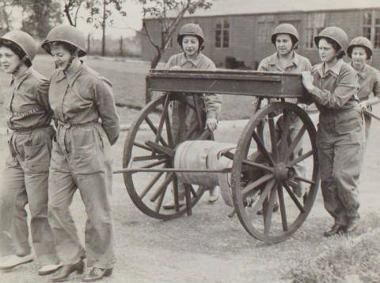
(73, 72)
(183, 60)
(363, 72)
(16, 81)
(274, 61)
(335, 70)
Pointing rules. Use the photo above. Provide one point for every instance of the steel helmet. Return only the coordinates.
(23, 41)
(336, 34)
(285, 28)
(361, 41)
(67, 34)
(191, 29)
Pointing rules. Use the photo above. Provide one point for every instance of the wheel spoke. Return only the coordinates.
(264, 194)
(153, 164)
(142, 146)
(311, 182)
(294, 198)
(262, 148)
(160, 200)
(300, 158)
(273, 137)
(295, 142)
(159, 148)
(161, 189)
(257, 165)
(269, 211)
(162, 119)
(254, 185)
(169, 131)
(284, 135)
(149, 157)
(155, 131)
(282, 208)
(151, 184)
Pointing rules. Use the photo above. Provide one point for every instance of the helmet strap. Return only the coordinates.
(71, 59)
(22, 62)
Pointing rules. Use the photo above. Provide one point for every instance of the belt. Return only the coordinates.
(69, 125)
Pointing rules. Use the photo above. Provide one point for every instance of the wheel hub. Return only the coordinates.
(283, 172)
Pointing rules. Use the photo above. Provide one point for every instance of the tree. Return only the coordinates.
(40, 16)
(160, 9)
(34, 17)
(99, 13)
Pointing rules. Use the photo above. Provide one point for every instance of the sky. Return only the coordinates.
(122, 26)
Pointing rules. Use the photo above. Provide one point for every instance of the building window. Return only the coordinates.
(314, 25)
(222, 34)
(264, 31)
(265, 26)
(371, 26)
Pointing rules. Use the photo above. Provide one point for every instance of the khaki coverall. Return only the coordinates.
(184, 115)
(87, 124)
(369, 82)
(340, 138)
(25, 178)
(297, 65)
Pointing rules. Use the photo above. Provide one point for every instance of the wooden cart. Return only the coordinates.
(264, 168)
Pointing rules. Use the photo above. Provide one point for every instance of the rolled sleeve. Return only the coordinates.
(347, 87)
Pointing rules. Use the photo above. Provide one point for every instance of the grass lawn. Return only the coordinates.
(128, 80)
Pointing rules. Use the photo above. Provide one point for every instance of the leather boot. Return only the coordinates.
(96, 273)
(336, 229)
(67, 269)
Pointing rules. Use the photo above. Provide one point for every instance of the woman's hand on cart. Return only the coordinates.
(211, 124)
(307, 80)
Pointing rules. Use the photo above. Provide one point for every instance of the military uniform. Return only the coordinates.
(25, 179)
(297, 65)
(369, 81)
(340, 138)
(184, 114)
(87, 124)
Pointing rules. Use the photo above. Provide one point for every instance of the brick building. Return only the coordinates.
(239, 30)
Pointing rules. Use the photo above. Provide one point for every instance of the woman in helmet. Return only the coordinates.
(360, 51)
(191, 40)
(25, 179)
(333, 86)
(87, 125)
(285, 39)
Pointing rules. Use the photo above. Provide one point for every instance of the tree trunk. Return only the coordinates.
(104, 29)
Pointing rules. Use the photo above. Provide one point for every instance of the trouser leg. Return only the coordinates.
(347, 165)
(61, 191)
(331, 201)
(13, 219)
(299, 168)
(41, 233)
(99, 226)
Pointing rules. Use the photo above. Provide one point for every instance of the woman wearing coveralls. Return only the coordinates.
(333, 86)
(87, 125)
(285, 38)
(25, 178)
(360, 51)
(191, 40)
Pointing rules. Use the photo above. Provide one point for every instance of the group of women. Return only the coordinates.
(47, 164)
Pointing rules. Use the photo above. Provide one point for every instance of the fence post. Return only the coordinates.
(121, 46)
(88, 43)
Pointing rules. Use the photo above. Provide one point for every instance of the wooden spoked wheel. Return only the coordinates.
(150, 145)
(275, 172)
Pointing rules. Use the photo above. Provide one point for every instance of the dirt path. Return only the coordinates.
(208, 246)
